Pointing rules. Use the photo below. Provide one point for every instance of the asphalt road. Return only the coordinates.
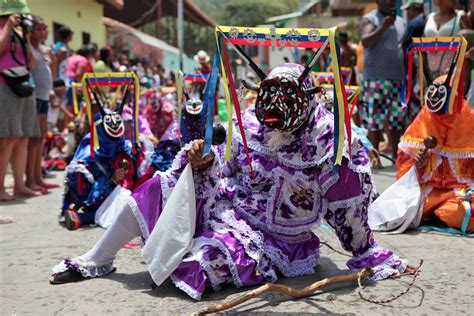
(34, 242)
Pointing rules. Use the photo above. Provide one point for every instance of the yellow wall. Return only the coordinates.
(79, 15)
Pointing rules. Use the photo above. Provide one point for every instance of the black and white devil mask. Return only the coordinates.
(113, 124)
(284, 97)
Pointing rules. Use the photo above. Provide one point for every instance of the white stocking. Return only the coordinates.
(123, 229)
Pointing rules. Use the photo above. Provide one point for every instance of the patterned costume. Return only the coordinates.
(159, 115)
(450, 170)
(87, 177)
(250, 227)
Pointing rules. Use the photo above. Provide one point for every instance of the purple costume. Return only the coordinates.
(251, 227)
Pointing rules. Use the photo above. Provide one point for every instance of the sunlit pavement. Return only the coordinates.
(34, 242)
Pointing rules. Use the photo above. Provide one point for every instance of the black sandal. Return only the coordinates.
(67, 276)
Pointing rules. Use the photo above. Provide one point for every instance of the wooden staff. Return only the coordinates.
(294, 293)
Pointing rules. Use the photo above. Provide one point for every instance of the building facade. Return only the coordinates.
(83, 17)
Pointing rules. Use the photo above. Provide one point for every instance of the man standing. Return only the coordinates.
(415, 28)
(382, 34)
(416, 20)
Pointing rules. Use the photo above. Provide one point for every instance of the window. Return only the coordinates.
(56, 27)
(86, 38)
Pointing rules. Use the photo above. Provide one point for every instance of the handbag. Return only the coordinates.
(18, 78)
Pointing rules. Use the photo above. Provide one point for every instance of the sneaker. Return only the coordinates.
(72, 219)
(67, 276)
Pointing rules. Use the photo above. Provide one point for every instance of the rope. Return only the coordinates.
(335, 250)
(415, 276)
(361, 288)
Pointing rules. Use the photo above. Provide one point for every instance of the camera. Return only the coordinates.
(393, 13)
(26, 23)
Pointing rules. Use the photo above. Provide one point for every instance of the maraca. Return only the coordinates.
(124, 164)
(430, 142)
(218, 134)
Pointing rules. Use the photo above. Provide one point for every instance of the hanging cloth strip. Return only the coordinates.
(179, 94)
(208, 106)
(293, 38)
(421, 46)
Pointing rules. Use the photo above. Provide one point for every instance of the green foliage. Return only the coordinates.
(246, 12)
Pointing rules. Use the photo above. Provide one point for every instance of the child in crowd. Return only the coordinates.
(58, 101)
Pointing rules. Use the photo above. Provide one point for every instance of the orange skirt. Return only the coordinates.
(448, 207)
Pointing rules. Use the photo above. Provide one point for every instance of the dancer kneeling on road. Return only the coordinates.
(250, 227)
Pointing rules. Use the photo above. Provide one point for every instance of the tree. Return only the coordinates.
(246, 12)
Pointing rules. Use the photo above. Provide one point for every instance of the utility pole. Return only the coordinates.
(180, 33)
(159, 13)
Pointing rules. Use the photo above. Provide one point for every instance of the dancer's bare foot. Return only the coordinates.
(25, 191)
(47, 185)
(36, 187)
(5, 197)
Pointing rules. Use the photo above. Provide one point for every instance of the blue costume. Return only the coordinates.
(88, 178)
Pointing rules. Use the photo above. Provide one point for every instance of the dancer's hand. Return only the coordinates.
(195, 156)
(421, 157)
(119, 175)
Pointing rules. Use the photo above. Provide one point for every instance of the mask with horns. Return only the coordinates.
(283, 101)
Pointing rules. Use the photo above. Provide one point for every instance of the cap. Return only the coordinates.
(342, 35)
(8, 7)
(412, 3)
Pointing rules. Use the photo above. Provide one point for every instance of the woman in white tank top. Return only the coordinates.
(445, 22)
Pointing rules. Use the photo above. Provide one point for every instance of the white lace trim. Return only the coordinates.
(198, 256)
(406, 145)
(368, 253)
(183, 286)
(389, 267)
(88, 269)
(148, 150)
(295, 267)
(329, 183)
(139, 216)
(459, 177)
(202, 241)
(269, 153)
(438, 162)
(78, 166)
(242, 232)
(351, 202)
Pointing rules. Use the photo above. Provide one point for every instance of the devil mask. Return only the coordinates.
(283, 101)
(113, 124)
(193, 106)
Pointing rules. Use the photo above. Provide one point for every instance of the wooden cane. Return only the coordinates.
(294, 293)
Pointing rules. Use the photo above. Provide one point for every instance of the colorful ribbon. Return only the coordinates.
(209, 97)
(235, 100)
(179, 93)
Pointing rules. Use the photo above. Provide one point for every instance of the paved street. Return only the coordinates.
(35, 242)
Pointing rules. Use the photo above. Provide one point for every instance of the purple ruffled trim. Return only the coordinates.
(70, 265)
(382, 261)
